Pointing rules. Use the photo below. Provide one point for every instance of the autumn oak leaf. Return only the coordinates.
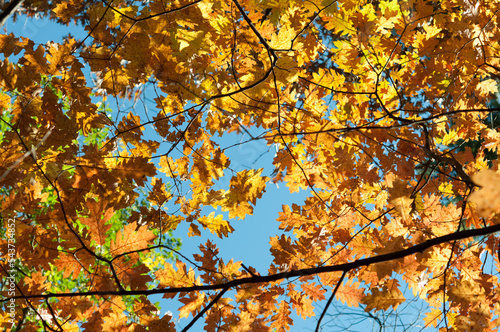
(383, 299)
(132, 238)
(246, 187)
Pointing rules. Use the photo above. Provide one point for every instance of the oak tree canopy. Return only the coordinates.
(383, 112)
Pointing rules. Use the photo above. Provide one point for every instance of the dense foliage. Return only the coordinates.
(380, 110)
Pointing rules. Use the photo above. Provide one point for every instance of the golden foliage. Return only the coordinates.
(173, 115)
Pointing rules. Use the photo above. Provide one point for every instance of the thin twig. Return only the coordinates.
(330, 301)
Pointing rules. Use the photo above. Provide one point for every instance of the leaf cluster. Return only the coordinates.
(380, 111)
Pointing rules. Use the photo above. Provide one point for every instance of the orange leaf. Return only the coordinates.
(132, 238)
(351, 293)
(383, 299)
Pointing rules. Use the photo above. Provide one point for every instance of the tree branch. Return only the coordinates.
(9, 11)
(419, 248)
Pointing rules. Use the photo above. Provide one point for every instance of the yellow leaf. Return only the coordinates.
(446, 189)
(246, 187)
(190, 39)
(216, 225)
(287, 69)
(450, 137)
(192, 303)
(430, 30)
(432, 318)
(418, 203)
(281, 40)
